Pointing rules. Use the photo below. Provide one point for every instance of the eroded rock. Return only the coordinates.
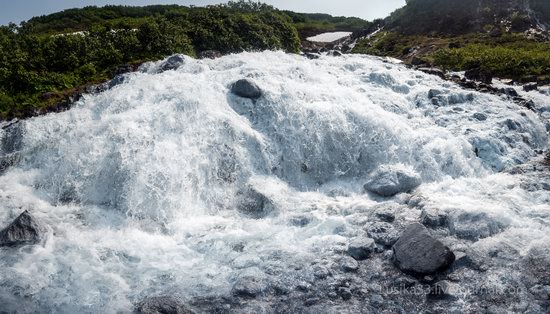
(246, 88)
(390, 180)
(25, 229)
(417, 252)
(162, 305)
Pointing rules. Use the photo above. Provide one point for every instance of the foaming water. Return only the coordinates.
(139, 184)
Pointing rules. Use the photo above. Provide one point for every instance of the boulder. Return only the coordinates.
(254, 204)
(246, 88)
(349, 264)
(433, 218)
(444, 289)
(382, 233)
(530, 87)
(361, 248)
(417, 252)
(509, 91)
(162, 305)
(390, 180)
(25, 229)
(210, 54)
(477, 74)
(172, 63)
(433, 71)
(250, 283)
(480, 116)
(473, 226)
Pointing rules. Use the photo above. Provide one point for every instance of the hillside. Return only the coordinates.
(508, 38)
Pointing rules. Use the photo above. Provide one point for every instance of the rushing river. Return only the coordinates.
(139, 185)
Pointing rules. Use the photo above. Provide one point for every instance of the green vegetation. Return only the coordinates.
(508, 56)
(309, 24)
(43, 60)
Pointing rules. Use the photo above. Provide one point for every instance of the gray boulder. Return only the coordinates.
(382, 233)
(390, 180)
(349, 264)
(25, 229)
(254, 204)
(172, 63)
(246, 88)
(361, 248)
(417, 252)
(473, 226)
(162, 305)
(431, 217)
(250, 283)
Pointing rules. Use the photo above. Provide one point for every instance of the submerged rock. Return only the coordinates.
(254, 204)
(246, 88)
(390, 180)
(25, 229)
(250, 283)
(417, 252)
(473, 226)
(172, 63)
(162, 305)
(361, 248)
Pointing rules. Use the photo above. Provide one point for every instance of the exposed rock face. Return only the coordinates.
(361, 248)
(172, 63)
(25, 229)
(417, 252)
(162, 305)
(210, 54)
(391, 180)
(433, 71)
(246, 88)
(479, 75)
(254, 204)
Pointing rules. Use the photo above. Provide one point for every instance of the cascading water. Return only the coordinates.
(139, 185)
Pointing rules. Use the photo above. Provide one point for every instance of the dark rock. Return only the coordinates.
(117, 80)
(433, 71)
(246, 88)
(433, 93)
(345, 293)
(254, 204)
(433, 218)
(25, 229)
(361, 248)
(336, 53)
(468, 84)
(444, 289)
(530, 87)
(390, 180)
(454, 45)
(349, 264)
(417, 252)
(477, 74)
(473, 226)
(480, 116)
(210, 54)
(509, 91)
(417, 61)
(529, 104)
(123, 69)
(385, 215)
(162, 305)
(250, 283)
(172, 63)
(320, 272)
(382, 233)
(300, 221)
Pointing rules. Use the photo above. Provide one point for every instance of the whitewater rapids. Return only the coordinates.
(138, 184)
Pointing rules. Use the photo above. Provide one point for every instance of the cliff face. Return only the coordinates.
(459, 17)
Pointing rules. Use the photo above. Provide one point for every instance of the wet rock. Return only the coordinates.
(473, 226)
(254, 204)
(210, 54)
(25, 229)
(480, 116)
(172, 63)
(433, 71)
(385, 215)
(444, 289)
(477, 74)
(390, 180)
(162, 305)
(530, 87)
(433, 218)
(117, 80)
(509, 91)
(300, 220)
(536, 265)
(417, 252)
(320, 272)
(382, 233)
(361, 248)
(123, 69)
(311, 56)
(433, 93)
(345, 293)
(246, 88)
(349, 264)
(250, 283)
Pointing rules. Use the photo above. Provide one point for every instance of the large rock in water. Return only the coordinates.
(162, 305)
(25, 229)
(417, 252)
(246, 88)
(172, 63)
(254, 204)
(391, 180)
